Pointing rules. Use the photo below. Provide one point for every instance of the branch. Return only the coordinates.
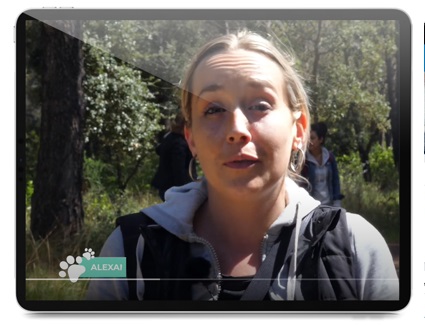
(133, 172)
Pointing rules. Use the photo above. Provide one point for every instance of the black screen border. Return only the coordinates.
(221, 306)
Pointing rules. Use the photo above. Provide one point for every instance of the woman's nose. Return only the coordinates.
(238, 128)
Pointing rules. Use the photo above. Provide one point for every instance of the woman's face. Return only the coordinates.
(315, 142)
(242, 130)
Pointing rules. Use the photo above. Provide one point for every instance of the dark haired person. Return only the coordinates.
(321, 168)
(174, 160)
(246, 230)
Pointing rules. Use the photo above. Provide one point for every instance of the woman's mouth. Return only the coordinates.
(241, 162)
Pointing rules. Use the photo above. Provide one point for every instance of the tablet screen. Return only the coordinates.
(121, 111)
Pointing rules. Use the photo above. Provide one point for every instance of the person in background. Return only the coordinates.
(174, 160)
(320, 168)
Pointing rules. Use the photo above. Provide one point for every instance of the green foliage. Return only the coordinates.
(121, 113)
(103, 201)
(98, 176)
(346, 68)
(122, 118)
(376, 202)
(29, 190)
(355, 95)
(384, 172)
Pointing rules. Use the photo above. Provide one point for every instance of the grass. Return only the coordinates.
(61, 289)
(44, 256)
(380, 209)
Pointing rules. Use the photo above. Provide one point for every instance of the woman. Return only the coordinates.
(246, 117)
(321, 169)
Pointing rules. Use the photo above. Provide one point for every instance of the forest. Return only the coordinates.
(100, 95)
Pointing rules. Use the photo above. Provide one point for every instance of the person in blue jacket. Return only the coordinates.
(321, 168)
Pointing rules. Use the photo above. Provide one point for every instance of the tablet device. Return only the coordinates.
(96, 94)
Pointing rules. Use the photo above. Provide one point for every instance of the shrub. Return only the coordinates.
(380, 207)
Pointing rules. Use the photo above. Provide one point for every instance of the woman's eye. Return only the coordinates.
(262, 107)
(212, 109)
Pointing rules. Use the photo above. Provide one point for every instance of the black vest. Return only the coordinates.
(325, 269)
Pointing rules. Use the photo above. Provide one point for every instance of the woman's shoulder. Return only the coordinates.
(113, 246)
(365, 237)
(357, 222)
(375, 266)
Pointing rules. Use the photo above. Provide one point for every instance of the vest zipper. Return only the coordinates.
(262, 248)
(217, 263)
(212, 250)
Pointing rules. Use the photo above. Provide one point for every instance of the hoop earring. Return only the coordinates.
(297, 158)
(191, 166)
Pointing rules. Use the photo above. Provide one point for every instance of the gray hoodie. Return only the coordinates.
(376, 278)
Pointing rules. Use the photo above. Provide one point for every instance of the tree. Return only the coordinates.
(122, 111)
(350, 68)
(390, 34)
(57, 202)
(356, 98)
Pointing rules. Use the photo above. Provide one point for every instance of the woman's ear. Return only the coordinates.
(300, 129)
(189, 139)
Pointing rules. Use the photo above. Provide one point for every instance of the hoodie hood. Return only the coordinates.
(325, 157)
(181, 203)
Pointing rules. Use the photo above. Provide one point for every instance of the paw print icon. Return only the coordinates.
(72, 265)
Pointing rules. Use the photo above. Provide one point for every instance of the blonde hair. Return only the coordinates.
(295, 91)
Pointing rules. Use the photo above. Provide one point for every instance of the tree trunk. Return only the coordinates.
(315, 74)
(57, 199)
(393, 82)
(364, 146)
